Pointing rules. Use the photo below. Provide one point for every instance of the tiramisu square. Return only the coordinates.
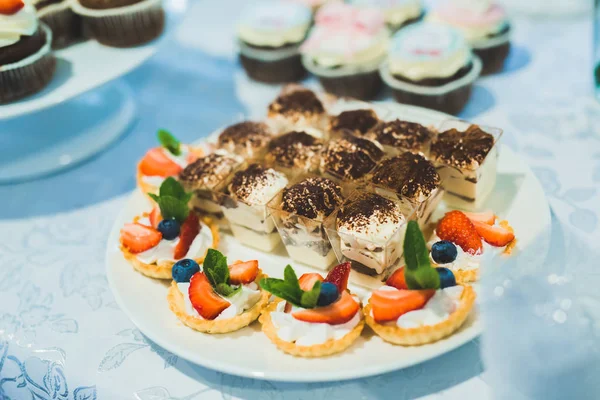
(248, 139)
(203, 176)
(466, 157)
(398, 136)
(294, 152)
(412, 179)
(298, 109)
(299, 212)
(350, 158)
(244, 204)
(358, 122)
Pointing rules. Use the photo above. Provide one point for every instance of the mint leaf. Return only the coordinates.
(309, 299)
(215, 267)
(227, 290)
(171, 207)
(169, 142)
(170, 187)
(418, 273)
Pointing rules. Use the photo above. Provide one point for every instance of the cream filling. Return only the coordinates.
(438, 309)
(242, 301)
(304, 333)
(443, 67)
(466, 261)
(164, 250)
(300, 244)
(261, 241)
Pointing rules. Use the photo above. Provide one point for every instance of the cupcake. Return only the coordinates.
(314, 5)
(294, 153)
(26, 61)
(398, 13)
(345, 48)
(431, 66)
(484, 24)
(121, 23)
(62, 21)
(297, 108)
(247, 139)
(269, 38)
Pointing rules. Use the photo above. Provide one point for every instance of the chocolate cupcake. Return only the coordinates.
(297, 108)
(294, 153)
(345, 48)
(431, 66)
(398, 13)
(350, 158)
(121, 23)
(398, 136)
(26, 60)
(484, 24)
(269, 38)
(62, 21)
(358, 122)
(248, 139)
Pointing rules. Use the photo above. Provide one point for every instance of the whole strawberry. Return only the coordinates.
(456, 227)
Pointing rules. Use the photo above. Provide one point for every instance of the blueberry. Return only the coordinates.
(329, 294)
(447, 278)
(184, 269)
(169, 228)
(443, 252)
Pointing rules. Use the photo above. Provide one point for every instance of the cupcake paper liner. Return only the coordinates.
(449, 98)
(63, 22)
(493, 52)
(29, 75)
(123, 26)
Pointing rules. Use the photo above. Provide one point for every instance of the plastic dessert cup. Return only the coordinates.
(468, 188)
(450, 98)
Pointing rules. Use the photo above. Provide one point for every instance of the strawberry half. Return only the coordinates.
(397, 280)
(157, 163)
(204, 299)
(138, 238)
(307, 281)
(243, 272)
(339, 276)
(456, 227)
(494, 234)
(487, 217)
(188, 232)
(155, 217)
(10, 7)
(339, 312)
(388, 305)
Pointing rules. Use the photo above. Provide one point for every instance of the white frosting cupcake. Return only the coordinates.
(23, 23)
(397, 12)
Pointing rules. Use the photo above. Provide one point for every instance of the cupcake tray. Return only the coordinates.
(518, 196)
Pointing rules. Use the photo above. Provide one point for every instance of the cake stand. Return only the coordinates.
(69, 122)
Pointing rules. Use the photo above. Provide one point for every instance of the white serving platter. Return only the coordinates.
(518, 197)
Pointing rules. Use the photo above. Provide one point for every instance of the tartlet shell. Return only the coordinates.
(424, 334)
(176, 304)
(163, 270)
(330, 347)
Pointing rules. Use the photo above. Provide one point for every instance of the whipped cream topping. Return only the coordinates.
(256, 185)
(438, 309)
(425, 50)
(476, 19)
(466, 261)
(396, 11)
(274, 24)
(344, 35)
(242, 301)
(164, 250)
(305, 333)
(23, 23)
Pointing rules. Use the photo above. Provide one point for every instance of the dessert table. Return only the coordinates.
(62, 336)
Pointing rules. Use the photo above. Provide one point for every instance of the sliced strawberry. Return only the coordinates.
(288, 307)
(487, 217)
(204, 299)
(457, 228)
(188, 232)
(138, 238)
(494, 234)
(337, 313)
(388, 305)
(307, 281)
(157, 163)
(243, 272)
(397, 280)
(339, 276)
(10, 7)
(155, 217)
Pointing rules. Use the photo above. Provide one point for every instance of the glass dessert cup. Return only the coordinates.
(468, 188)
(305, 239)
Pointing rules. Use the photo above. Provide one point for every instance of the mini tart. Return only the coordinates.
(177, 306)
(146, 187)
(163, 270)
(424, 334)
(330, 347)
